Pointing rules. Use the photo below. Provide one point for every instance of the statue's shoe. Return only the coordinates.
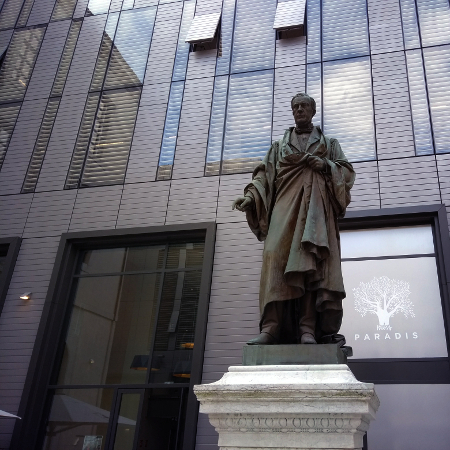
(263, 339)
(307, 338)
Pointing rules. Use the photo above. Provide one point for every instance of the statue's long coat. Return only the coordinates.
(295, 213)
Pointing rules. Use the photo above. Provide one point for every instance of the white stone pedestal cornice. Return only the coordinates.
(289, 407)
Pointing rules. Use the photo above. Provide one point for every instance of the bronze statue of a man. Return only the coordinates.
(293, 203)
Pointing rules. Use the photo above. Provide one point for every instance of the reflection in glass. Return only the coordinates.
(97, 7)
(434, 19)
(144, 258)
(107, 260)
(410, 24)
(348, 108)
(314, 89)
(374, 242)
(126, 423)
(182, 53)
(77, 414)
(226, 37)
(3, 253)
(409, 415)
(314, 48)
(116, 313)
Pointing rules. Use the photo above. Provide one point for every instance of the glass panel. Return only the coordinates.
(182, 54)
(174, 340)
(217, 126)
(250, 102)
(63, 9)
(437, 65)
(97, 7)
(410, 24)
(78, 419)
(412, 416)
(130, 50)
(254, 36)
(144, 258)
(126, 422)
(117, 313)
(25, 13)
(434, 19)
(8, 116)
(349, 35)
(162, 418)
(314, 89)
(375, 242)
(348, 108)
(3, 253)
(108, 260)
(419, 103)
(9, 14)
(185, 255)
(169, 139)
(314, 30)
(226, 37)
(19, 62)
(393, 309)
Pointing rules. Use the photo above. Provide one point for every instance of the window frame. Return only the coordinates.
(36, 402)
(13, 244)
(409, 370)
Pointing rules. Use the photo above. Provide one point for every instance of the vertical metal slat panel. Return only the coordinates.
(9, 14)
(8, 116)
(226, 37)
(25, 13)
(63, 9)
(314, 89)
(410, 24)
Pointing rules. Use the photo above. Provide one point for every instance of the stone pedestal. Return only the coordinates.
(289, 407)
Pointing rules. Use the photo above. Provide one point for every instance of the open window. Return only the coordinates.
(204, 32)
(9, 249)
(290, 19)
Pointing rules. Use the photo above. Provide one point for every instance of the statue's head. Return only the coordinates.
(303, 108)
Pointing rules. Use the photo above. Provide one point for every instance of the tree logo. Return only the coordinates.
(385, 298)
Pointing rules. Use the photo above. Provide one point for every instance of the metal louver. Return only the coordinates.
(290, 15)
(40, 146)
(203, 28)
(66, 58)
(19, 62)
(63, 9)
(25, 13)
(8, 116)
(10, 13)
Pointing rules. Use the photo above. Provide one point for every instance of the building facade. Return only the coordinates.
(125, 278)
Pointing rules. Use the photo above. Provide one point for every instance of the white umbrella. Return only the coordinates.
(7, 414)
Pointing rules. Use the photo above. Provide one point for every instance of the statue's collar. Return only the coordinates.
(315, 136)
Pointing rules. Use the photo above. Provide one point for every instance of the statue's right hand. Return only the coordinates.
(242, 203)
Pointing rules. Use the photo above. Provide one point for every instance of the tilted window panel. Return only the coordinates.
(226, 37)
(112, 134)
(63, 9)
(254, 37)
(348, 108)
(81, 145)
(314, 31)
(410, 24)
(248, 128)
(314, 89)
(127, 4)
(105, 50)
(25, 13)
(130, 49)
(10, 13)
(8, 116)
(419, 103)
(346, 34)
(216, 126)
(437, 68)
(66, 58)
(203, 28)
(434, 20)
(95, 7)
(169, 139)
(19, 62)
(40, 146)
(290, 15)
(182, 53)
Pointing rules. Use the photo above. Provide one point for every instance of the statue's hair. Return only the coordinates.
(303, 94)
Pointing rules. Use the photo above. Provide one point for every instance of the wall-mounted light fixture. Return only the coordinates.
(26, 296)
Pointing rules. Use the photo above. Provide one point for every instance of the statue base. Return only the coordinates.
(289, 407)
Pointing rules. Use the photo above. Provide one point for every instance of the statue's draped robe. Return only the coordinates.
(295, 213)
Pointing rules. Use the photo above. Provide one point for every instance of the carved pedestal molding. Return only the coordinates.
(289, 407)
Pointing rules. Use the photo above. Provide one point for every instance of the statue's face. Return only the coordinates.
(302, 111)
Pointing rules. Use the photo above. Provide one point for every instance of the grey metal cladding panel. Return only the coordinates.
(288, 81)
(385, 26)
(144, 154)
(208, 6)
(192, 200)
(144, 204)
(195, 115)
(21, 146)
(201, 64)
(204, 431)
(41, 12)
(392, 106)
(96, 208)
(5, 37)
(85, 56)
(365, 192)
(33, 256)
(80, 9)
(62, 141)
(443, 163)
(48, 59)
(14, 211)
(290, 52)
(49, 214)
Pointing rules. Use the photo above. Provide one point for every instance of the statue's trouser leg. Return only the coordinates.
(307, 313)
(272, 318)
(330, 321)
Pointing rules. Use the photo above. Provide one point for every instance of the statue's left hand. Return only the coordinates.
(317, 163)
